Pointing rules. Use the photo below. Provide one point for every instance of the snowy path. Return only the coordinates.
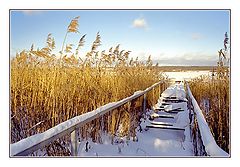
(172, 142)
(153, 141)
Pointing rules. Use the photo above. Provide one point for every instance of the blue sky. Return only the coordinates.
(172, 37)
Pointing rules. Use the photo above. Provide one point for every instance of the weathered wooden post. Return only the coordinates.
(74, 145)
(153, 93)
(163, 86)
(144, 102)
(159, 89)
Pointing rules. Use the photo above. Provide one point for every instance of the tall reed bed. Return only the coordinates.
(47, 89)
(212, 93)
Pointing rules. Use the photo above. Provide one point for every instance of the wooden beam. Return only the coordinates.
(165, 127)
(174, 111)
(162, 116)
(159, 109)
(161, 123)
(165, 104)
(170, 97)
(74, 143)
(174, 100)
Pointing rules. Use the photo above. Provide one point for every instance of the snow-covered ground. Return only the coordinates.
(186, 75)
(151, 141)
(172, 139)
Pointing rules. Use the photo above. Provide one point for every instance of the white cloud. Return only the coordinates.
(139, 23)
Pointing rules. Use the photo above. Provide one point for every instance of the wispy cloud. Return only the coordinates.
(189, 59)
(196, 36)
(140, 23)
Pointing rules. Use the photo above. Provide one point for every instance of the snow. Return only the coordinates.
(208, 140)
(37, 138)
(151, 142)
(186, 75)
(176, 90)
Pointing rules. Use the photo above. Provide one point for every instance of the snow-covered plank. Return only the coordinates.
(174, 111)
(165, 127)
(159, 109)
(160, 123)
(170, 97)
(165, 104)
(174, 100)
(155, 115)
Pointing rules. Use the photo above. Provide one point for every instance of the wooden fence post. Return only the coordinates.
(153, 93)
(74, 143)
(144, 102)
(159, 89)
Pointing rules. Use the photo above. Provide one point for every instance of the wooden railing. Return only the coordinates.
(33, 143)
(203, 141)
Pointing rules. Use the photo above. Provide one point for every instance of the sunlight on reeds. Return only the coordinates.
(47, 88)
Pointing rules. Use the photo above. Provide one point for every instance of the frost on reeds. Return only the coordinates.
(47, 88)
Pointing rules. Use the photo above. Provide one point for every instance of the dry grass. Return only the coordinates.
(215, 90)
(46, 90)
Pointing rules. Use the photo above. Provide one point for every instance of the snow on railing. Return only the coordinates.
(30, 144)
(210, 145)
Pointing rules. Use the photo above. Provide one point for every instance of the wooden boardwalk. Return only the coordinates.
(171, 128)
(170, 116)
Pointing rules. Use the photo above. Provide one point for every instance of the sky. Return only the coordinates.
(171, 37)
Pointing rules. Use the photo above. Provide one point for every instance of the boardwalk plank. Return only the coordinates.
(161, 123)
(165, 127)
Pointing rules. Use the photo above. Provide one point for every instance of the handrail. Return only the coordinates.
(30, 144)
(210, 145)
